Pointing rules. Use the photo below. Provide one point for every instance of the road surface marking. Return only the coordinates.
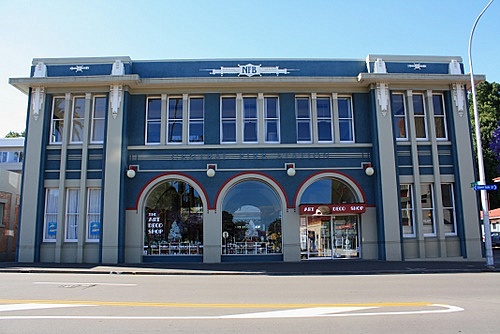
(307, 312)
(83, 284)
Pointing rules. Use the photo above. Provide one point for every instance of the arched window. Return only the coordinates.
(174, 220)
(251, 220)
(328, 191)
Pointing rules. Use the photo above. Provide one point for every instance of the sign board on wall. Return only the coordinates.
(332, 209)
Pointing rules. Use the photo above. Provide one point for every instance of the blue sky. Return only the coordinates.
(200, 29)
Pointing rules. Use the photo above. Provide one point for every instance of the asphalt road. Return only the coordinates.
(87, 303)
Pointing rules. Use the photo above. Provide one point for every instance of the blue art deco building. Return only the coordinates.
(247, 160)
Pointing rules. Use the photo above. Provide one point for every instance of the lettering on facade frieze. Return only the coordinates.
(249, 70)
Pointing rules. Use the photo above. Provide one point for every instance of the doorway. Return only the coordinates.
(329, 237)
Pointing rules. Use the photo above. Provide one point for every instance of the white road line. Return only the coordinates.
(84, 283)
(33, 306)
(295, 313)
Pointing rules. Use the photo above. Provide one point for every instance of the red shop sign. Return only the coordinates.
(332, 209)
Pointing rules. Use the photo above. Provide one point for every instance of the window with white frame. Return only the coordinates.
(50, 214)
(72, 214)
(419, 116)
(228, 119)
(346, 120)
(153, 120)
(98, 119)
(250, 117)
(57, 121)
(77, 119)
(399, 116)
(427, 203)
(326, 111)
(325, 120)
(450, 224)
(439, 116)
(196, 119)
(93, 214)
(175, 120)
(271, 119)
(303, 117)
(408, 221)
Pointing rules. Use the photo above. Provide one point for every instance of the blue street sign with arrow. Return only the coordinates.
(485, 187)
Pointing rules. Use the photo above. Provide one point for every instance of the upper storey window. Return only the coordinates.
(57, 122)
(423, 114)
(324, 119)
(249, 119)
(80, 126)
(178, 121)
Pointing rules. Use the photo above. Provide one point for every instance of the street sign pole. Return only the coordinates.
(484, 196)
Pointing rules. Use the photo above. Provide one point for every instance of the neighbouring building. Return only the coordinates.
(133, 161)
(11, 159)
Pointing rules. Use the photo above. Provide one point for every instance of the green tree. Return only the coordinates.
(488, 104)
(13, 134)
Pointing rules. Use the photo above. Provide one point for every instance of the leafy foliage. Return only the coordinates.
(13, 134)
(488, 101)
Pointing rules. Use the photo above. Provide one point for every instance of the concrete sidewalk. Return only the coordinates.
(318, 267)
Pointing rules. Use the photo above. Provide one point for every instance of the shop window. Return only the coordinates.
(50, 214)
(72, 214)
(427, 202)
(174, 220)
(251, 225)
(328, 191)
(450, 225)
(93, 214)
(407, 221)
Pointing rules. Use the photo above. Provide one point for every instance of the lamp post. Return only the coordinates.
(480, 160)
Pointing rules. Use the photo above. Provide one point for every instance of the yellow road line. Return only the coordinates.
(208, 305)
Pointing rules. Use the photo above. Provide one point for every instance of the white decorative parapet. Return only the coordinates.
(40, 70)
(379, 66)
(250, 70)
(118, 68)
(37, 101)
(454, 67)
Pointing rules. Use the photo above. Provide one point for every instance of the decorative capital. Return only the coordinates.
(115, 99)
(459, 98)
(379, 66)
(383, 97)
(37, 101)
